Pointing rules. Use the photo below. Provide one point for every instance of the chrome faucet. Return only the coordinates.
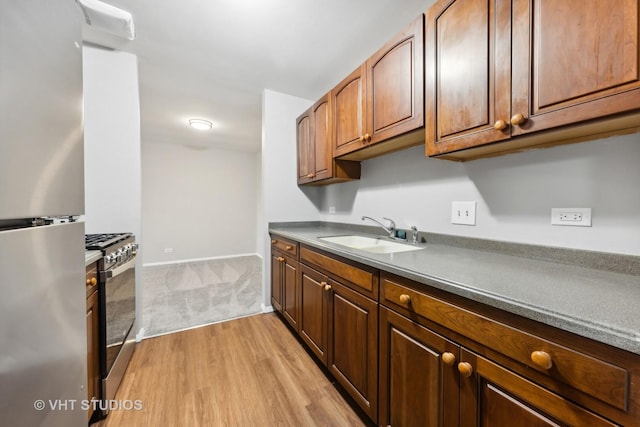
(414, 234)
(391, 230)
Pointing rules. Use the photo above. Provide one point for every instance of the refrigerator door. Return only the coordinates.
(41, 134)
(43, 341)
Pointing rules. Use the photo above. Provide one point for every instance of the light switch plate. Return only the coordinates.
(463, 213)
(577, 217)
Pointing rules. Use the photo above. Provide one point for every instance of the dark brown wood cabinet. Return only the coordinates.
(340, 322)
(316, 164)
(491, 395)
(314, 311)
(285, 289)
(418, 375)
(410, 354)
(379, 107)
(353, 344)
(509, 367)
(499, 70)
(93, 343)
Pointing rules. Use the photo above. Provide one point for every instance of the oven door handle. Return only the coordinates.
(120, 269)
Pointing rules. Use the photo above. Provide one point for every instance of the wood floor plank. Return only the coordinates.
(244, 372)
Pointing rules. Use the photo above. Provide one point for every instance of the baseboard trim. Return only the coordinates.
(140, 335)
(185, 261)
(267, 308)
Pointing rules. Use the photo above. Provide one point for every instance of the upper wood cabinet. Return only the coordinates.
(348, 99)
(506, 68)
(379, 107)
(315, 156)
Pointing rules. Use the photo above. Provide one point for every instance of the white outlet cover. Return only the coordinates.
(576, 217)
(463, 213)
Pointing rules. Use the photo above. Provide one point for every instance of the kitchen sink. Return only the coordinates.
(376, 245)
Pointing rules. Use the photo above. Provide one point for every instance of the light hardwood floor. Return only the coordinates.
(244, 372)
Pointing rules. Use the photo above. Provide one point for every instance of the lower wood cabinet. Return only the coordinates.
(340, 326)
(353, 344)
(418, 375)
(285, 288)
(491, 395)
(314, 311)
(93, 343)
(412, 355)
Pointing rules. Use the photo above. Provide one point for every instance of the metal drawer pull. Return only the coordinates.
(120, 269)
(542, 359)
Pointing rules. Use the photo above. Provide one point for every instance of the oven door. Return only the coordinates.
(119, 308)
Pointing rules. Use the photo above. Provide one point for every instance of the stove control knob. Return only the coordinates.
(134, 248)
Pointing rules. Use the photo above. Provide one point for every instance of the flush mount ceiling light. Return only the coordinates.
(200, 124)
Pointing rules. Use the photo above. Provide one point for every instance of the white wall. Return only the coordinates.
(111, 141)
(514, 194)
(282, 199)
(200, 203)
(112, 148)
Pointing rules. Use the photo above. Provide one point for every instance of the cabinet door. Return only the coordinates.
(313, 311)
(322, 145)
(417, 387)
(93, 351)
(491, 395)
(305, 148)
(348, 103)
(276, 280)
(467, 74)
(574, 60)
(395, 85)
(353, 345)
(290, 292)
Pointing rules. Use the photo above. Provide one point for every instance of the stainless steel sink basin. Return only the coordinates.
(370, 244)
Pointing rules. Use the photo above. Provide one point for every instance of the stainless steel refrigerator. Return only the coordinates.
(43, 355)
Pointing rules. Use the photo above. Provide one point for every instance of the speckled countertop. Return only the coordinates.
(595, 303)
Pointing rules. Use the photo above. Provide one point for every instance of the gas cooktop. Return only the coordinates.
(103, 241)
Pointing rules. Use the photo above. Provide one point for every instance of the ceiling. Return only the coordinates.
(213, 58)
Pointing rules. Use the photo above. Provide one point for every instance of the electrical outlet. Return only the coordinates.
(463, 213)
(168, 250)
(578, 217)
(332, 209)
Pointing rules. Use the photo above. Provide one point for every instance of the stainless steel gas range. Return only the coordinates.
(117, 307)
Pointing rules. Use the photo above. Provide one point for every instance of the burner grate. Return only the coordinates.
(102, 241)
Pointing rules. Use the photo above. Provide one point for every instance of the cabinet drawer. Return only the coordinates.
(357, 276)
(287, 246)
(597, 378)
